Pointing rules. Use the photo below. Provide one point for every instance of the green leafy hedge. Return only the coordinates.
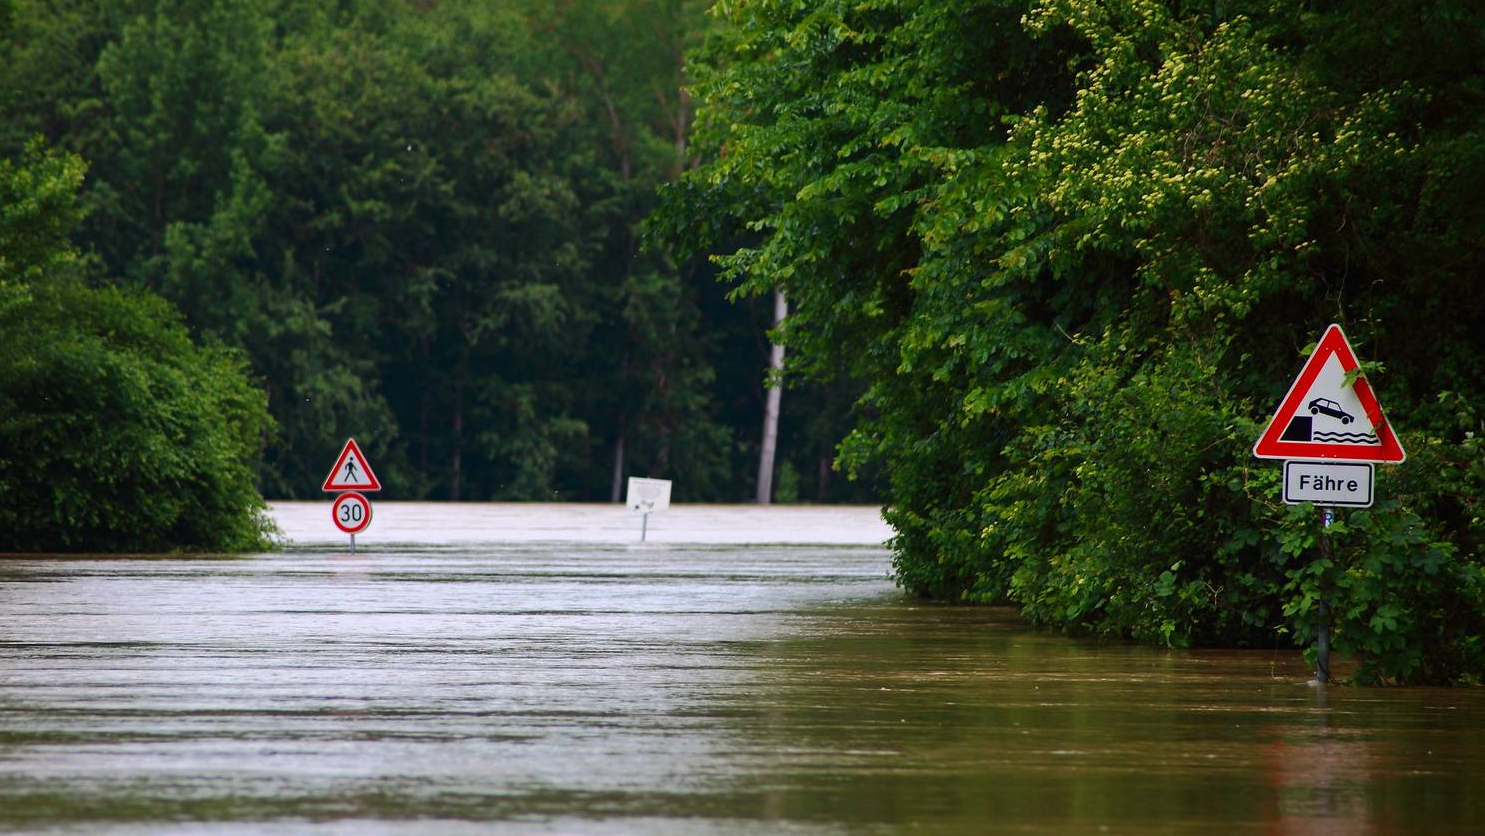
(117, 432)
(1079, 248)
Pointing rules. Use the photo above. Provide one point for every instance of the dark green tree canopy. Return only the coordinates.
(420, 223)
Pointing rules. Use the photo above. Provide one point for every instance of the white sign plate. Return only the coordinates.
(648, 495)
(1346, 484)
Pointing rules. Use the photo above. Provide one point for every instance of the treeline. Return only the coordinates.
(1078, 251)
(418, 222)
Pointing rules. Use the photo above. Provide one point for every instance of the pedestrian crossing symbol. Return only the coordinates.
(1323, 416)
(351, 472)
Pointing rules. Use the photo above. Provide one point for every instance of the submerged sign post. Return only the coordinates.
(647, 496)
(1330, 431)
(351, 512)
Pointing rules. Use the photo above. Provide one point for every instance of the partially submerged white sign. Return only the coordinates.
(648, 495)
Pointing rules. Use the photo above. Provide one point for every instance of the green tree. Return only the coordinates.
(1075, 247)
(117, 433)
(622, 62)
(420, 223)
(432, 209)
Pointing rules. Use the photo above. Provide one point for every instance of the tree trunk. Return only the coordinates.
(771, 408)
(616, 494)
(425, 425)
(456, 464)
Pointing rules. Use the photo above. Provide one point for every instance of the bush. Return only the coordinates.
(117, 433)
(1076, 253)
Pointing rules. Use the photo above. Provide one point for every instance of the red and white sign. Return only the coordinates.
(351, 512)
(1323, 418)
(351, 471)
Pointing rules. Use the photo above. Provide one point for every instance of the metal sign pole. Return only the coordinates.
(644, 527)
(353, 544)
(1322, 638)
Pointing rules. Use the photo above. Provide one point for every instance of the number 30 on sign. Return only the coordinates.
(351, 512)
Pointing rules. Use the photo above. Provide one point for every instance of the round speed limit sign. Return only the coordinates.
(351, 512)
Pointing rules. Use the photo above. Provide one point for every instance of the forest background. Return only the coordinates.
(1049, 265)
(418, 222)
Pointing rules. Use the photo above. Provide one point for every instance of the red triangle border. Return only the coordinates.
(370, 483)
(1271, 446)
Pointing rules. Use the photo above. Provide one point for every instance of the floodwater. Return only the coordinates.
(538, 670)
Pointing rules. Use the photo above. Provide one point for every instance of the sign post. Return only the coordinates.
(647, 496)
(1329, 430)
(351, 511)
(1322, 633)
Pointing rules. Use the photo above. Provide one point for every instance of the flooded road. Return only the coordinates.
(550, 679)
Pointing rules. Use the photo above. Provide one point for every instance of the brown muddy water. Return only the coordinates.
(468, 678)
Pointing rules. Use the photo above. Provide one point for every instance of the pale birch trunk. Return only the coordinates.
(771, 407)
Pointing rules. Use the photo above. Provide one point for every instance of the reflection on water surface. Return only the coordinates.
(671, 689)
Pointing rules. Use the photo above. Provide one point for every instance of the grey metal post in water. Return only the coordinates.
(1322, 639)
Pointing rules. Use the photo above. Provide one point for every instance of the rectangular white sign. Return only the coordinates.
(1329, 483)
(648, 495)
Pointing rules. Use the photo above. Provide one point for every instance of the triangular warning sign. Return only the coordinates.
(351, 472)
(1323, 418)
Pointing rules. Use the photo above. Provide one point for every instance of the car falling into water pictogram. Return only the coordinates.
(1331, 408)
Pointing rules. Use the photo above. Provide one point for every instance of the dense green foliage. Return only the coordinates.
(1078, 249)
(117, 433)
(419, 222)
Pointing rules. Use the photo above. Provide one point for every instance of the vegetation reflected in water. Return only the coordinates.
(949, 720)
